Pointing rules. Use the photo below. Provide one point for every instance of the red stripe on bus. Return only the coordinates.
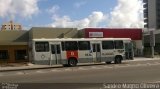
(72, 54)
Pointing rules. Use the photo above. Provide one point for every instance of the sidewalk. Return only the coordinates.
(29, 66)
(145, 59)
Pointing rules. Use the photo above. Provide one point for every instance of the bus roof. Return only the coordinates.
(79, 39)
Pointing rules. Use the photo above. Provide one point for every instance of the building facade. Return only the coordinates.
(49, 32)
(152, 22)
(13, 46)
(152, 13)
(147, 43)
(11, 26)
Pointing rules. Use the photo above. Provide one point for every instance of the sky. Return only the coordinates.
(73, 13)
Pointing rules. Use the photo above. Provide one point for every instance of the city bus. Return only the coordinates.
(70, 51)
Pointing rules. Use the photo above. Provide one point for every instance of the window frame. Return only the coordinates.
(20, 52)
(107, 48)
(55, 49)
(82, 46)
(72, 45)
(116, 45)
(6, 54)
(43, 46)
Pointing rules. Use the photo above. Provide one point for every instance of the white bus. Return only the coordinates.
(70, 51)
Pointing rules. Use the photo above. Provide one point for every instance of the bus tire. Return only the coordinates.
(118, 60)
(72, 62)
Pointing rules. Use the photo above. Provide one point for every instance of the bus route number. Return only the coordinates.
(72, 53)
(88, 54)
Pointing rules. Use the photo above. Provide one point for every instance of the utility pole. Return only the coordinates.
(152, 42)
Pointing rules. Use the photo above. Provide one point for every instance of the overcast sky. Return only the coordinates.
(73, 13)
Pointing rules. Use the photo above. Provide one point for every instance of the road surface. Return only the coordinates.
(92, 76)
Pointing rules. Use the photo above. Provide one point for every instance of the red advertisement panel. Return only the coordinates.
(133, 33)
(72, 54)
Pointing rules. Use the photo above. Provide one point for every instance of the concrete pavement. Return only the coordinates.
(30, 66)
(139, 71)
(128, 72)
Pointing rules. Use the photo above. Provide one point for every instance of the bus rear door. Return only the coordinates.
(96, 52)
(55, 54)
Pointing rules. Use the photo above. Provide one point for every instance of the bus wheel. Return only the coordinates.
(118, 60)
(72, 62)
(108, 62)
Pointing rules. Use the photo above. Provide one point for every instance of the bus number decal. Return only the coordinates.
(107, 53)
(120, 51)
(88, 54)
(72, 53)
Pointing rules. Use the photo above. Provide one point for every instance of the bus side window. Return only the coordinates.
(41, 46)
(84, 45)
(107, 45)
(53, 49)
(118, 44)
(71, 45)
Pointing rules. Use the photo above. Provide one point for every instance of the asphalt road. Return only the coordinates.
(90, 76)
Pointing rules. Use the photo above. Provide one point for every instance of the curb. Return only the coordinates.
(32, 68)
(148, 59)
(49, 67)
(60, 66)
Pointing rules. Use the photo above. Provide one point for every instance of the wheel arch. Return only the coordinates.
(120, 56)
(73, 58)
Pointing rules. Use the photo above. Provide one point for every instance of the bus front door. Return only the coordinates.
(55, 54)
(96, 52)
